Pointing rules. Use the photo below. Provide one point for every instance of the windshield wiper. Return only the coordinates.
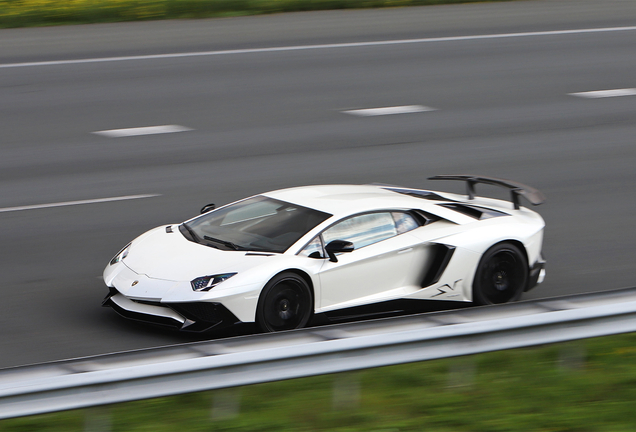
(194, 236)
(225, 243)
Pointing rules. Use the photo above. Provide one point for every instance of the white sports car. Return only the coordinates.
(278, 258)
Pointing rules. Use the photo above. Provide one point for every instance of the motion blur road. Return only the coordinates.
(269, 119)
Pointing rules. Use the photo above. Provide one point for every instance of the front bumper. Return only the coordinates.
(191, 317)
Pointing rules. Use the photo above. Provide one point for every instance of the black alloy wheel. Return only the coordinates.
(501, 276)
(285, 303)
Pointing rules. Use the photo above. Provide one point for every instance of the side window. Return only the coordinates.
(363, 230)
(313, 249)
(404, 222)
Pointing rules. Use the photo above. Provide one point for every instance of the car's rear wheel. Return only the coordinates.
(285, 303)
(501, 276)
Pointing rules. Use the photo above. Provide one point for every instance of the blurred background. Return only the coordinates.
(264, 102)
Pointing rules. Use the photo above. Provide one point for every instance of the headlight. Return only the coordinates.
(120, 255)
(206, 283)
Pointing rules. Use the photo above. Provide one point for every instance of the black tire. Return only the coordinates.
(501, 276)
(285, 303)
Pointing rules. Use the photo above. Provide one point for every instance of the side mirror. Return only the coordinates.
(338, 246)
(206, 208)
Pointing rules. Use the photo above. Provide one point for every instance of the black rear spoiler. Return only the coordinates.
(516, 189)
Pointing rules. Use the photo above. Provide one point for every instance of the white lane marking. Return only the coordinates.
(72, 203)
(405, 109)
(150, 130)
(606, 93)
(322, 46)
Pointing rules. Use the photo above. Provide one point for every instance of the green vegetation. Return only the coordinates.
(579, 386)
(29, 13)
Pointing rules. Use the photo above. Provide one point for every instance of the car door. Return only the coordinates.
(378, 266)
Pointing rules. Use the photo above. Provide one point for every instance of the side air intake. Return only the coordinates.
(441, 256)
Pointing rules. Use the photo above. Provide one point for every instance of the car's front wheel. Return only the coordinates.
(285, 303)
(501, 276)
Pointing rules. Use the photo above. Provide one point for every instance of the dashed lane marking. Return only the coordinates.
(404, 109)
(149, 130)
(72, 203)
(606, 93)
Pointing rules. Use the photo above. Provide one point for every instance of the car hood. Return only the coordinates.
(170, 256)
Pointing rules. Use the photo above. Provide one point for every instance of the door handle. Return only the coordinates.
(405, 250)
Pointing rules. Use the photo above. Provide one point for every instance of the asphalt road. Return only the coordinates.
(262, 120)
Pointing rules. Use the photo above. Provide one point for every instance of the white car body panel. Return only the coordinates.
(375, 272)
(161, 263)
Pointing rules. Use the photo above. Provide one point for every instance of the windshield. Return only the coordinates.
(256, 224)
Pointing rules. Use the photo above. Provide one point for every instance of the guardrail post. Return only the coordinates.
(226, 403)
(572, 356)
(97, 419)
(461, 372)
(346, 391)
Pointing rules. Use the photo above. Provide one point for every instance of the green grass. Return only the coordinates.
(29, 13)
(581, 386)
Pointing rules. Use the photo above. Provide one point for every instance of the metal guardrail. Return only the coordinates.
(246, 360)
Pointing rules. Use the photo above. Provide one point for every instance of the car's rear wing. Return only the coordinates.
(517, 189)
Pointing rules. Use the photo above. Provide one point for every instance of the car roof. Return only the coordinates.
(340, 200)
